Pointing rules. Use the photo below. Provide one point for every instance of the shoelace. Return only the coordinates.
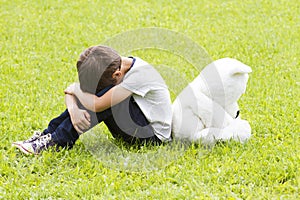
(42, 141)
(36, 135)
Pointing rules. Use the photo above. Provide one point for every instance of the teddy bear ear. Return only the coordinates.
(240, 68)
(232, 66)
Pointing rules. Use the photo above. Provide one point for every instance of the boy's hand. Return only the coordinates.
(72, 88)
(80, 120)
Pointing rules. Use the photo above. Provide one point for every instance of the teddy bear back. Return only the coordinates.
(223, 80)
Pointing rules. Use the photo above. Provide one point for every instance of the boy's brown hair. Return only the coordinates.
(95, 68)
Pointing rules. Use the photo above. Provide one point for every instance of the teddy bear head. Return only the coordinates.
(225, 80)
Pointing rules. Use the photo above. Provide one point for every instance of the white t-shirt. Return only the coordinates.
(152, 95)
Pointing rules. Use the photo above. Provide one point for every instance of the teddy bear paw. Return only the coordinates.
(239, 129)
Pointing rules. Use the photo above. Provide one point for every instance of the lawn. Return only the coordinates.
(40, 43)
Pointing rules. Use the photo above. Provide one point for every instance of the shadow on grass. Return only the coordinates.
(121, 156)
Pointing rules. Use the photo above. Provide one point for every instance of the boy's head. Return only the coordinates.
(95, 68)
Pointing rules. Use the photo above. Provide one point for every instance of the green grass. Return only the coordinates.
(40, 42)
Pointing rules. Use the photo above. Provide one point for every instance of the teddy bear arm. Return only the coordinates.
(211, 113)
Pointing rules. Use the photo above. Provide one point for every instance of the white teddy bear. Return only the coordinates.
(207, 109)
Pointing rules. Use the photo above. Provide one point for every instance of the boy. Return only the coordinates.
(126, 93)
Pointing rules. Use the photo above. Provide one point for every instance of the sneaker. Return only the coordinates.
(36, 135)
(36, 146)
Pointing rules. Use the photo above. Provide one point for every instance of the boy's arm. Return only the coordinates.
(97, 104)
(71, 102)
(79, 118)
